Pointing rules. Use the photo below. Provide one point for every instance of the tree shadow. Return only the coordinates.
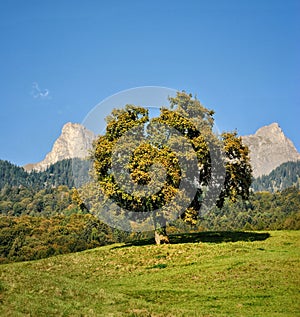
(207, 237)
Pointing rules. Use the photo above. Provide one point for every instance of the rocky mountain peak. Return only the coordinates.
(269, 148)
(272, 131)
(75, 141)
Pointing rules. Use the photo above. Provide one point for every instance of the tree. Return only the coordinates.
(171, 166)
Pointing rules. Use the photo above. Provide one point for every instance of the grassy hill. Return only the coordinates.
(256, 275)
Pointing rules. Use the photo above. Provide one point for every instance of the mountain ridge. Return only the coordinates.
(268, 146)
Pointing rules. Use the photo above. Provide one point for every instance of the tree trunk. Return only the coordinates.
(161, 236)
(160, 229)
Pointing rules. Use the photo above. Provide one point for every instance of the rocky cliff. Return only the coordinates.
(269, 148)
(75, 141)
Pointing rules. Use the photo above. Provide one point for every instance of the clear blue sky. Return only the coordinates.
(59, 58)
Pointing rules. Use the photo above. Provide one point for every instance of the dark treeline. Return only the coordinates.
(74, 172)
(69, 172)
(284, 176)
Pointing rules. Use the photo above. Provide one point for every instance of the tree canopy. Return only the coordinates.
(174, 165)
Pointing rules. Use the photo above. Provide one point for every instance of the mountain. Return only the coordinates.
(75, 141)
(269, 148)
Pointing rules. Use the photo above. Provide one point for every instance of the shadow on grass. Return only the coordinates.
(207, 237)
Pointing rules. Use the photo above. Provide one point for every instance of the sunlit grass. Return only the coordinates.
(258, 278)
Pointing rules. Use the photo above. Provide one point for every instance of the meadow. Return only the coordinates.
(203, 274)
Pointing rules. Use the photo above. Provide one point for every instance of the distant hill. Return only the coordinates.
(284, 176)
(60, 173)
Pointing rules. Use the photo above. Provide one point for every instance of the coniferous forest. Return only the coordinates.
(59, 173)
(284, 176)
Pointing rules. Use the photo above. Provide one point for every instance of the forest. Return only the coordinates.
(30, 238)
(59, 173)
(282, 177)
(43, 215)
(37, 223)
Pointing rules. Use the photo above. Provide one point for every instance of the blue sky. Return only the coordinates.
(58, 59)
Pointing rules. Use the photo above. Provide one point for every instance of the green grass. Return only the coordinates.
(248, 277)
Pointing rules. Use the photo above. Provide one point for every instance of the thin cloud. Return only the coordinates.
(39, 93)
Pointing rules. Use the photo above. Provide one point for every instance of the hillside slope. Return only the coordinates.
(243, 278)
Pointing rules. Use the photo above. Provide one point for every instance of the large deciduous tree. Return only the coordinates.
(169, 166)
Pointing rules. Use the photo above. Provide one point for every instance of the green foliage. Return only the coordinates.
(263, 210)
(153, 145)
(29, 238)
(17, 201)
(284, 176)
(238, 170)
